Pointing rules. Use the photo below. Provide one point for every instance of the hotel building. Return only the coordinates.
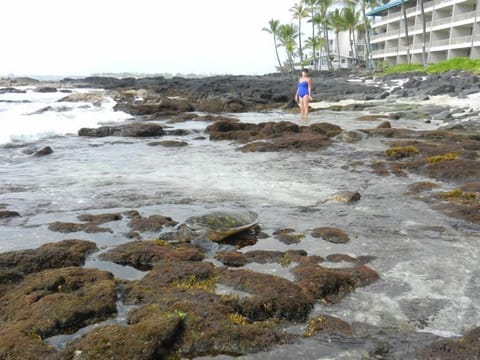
(452, 30)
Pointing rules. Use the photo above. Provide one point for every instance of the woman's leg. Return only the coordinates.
(306, 101)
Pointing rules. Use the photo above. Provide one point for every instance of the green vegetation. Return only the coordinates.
(400, 152)
(445, 157)
(466, 64)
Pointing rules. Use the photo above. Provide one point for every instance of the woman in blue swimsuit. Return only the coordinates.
(304, 93)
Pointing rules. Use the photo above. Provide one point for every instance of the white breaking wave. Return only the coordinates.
(31, 116)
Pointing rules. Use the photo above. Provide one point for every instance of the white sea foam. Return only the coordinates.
(22, 118)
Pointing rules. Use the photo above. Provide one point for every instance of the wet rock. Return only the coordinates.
(129, 130)
(327, 324)
(272, 296)
(144, 254)
(352, 136)
(16, 343)
(384, 125)
(465, 348)
(237, 259)
(330, 234)
(331, 285)
(288, 236)
(346, 197)
(59, 301)
(458, 204)
(68, 227)
(94, 97)
(422, 186)
(15, 264)
(148, 337)
(7, 214)
(165, 107)
(371, 117)
(274, 136)
(47, 150)
(45, 89)
(100, 218)
(168, 143)
(151, 223)
(211, 323)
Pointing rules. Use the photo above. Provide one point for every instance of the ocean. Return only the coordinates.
(428, 262)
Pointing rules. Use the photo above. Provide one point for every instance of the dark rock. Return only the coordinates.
(384, 125)
(327, 324)
(100, 218)
(47, 150)
(332, 284)
(168, 143)
(465, 348)
(143, 255)
(288, 236)
(12, 90)
(149, 336)
(333, 235)
(57, 301)
(48, 256)
(129, 130)
(212, 324)
(6, 214)
(272, 296)
(150, 223)
(45, 89)
(68, 227)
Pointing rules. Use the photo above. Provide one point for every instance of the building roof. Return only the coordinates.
(380, 9)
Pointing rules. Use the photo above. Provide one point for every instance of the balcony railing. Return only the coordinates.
(442, 21)
(461, 40)
(465, 16)
(442, 42)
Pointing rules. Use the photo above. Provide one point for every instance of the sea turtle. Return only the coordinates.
(214, 225)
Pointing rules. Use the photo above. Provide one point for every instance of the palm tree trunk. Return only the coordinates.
(352, 43)
(338, 48)
(406, 31)
(300, 41)
(327, 45)
(276, 52)
(313, 40)
(424, 27)
(368, 48)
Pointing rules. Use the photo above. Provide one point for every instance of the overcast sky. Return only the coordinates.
(81, 37)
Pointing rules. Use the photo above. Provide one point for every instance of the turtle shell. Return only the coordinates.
(220, 224)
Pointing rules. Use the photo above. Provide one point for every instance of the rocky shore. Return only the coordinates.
(178, 308)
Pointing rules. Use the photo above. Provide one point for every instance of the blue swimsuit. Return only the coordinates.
(303, 89)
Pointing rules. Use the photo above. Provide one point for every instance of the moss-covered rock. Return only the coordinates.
(144, 254)
(15, 264)
(150, 223)
(331, 285)
(148, 336)
(330, 234)
(212, 324)
(466, 347)
(59, 301)
(19, 343)
(328, 325)
(271, 296)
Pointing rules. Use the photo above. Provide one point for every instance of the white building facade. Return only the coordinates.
(452, 30)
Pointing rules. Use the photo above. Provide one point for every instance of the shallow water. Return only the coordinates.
(428, 262)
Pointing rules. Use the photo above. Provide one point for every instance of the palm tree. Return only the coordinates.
(324, 6)
(363, 5)
(337, 23)
(424, 30)
(299, 12)
(317, 20)
(314, 43)
(286, 35)
(406, 31)
(273, 29)
(351, 18)
(312, 6)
